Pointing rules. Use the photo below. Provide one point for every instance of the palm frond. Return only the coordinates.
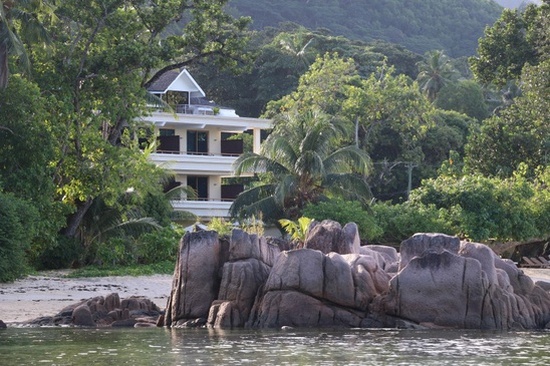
(349, 158)
(265, 208)
(177, 192)
(249, 197)
(310, 164)
(348, 186)
(282, 149)
(288, 187)
(255, 163)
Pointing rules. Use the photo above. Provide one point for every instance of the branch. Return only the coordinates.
(179, 65)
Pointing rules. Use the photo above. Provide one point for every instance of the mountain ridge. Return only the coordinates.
(419, 25)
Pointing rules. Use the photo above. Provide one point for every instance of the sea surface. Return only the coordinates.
(161, 346)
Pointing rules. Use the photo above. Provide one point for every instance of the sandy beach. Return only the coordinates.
(49, 292)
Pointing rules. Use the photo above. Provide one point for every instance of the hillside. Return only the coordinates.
(419, 25)
(514, 4)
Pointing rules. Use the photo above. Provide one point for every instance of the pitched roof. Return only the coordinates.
(163, 82)
(176, 81)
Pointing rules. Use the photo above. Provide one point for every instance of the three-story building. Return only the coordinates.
(196, 144)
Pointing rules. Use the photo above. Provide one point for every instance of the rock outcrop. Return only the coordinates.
(434, 281)
(218, 283)
(105, 311)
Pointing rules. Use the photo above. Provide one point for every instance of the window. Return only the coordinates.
(200, 185)
(197, 142)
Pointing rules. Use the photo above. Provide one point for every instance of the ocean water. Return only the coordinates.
(161, 346)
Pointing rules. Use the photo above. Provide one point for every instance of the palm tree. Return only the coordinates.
(300, 163)
(435, 71)
(298, 45)
(20, 22)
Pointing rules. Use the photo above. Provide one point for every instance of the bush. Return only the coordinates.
(117, 251)
(482, 208)
(401, 221)
(219, 225)
(18, 221)
(64, 254)
(159, 245)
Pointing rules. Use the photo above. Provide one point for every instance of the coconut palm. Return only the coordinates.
(20, 22)
(435, 71)
(300, 163)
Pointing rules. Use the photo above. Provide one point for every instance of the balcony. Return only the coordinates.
(195, 164)
(203, 208)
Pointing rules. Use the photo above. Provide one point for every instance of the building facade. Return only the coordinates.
(196, 142)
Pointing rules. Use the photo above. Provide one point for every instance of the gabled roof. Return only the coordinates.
(176, 81)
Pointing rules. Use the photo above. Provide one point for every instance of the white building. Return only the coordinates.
(193, 143)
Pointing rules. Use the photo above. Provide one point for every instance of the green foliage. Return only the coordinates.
(434, 72)
(166, 267)
(505, 48)
(296, 229)
(253, 225)
(343, 212)
(63, 254)
(116, 251)
(465, 96)
(149, 248)
(301, 163)
(519, 134)
(283, 55)
(19, 221)
(219, 225)
(322, 87)
(397, 222)
(482, 208)
(26, 150)
(474, 207)
(21, 22)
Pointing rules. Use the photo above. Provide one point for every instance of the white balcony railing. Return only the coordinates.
(203, 208)
(196, 164)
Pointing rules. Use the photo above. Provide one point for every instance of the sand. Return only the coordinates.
(49, 292)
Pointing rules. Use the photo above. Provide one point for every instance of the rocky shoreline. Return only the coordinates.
(434, 281)
(48, 293)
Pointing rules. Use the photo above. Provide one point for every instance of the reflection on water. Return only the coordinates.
(159, 346)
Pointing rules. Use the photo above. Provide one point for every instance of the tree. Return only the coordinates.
(27, 147)
(323, 87)
(104, 55)
(465, 96)
(21, 22)
(435, 71)
(19, 223)
(391, 116)
(300, 163)
(506, 48)
(519, 134)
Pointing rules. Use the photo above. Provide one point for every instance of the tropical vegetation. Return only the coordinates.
(364, 131)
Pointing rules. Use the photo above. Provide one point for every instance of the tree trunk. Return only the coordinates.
(74, 220)
(4, 68)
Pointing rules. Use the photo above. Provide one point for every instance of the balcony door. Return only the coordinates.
(197, 142)
(200, 185)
